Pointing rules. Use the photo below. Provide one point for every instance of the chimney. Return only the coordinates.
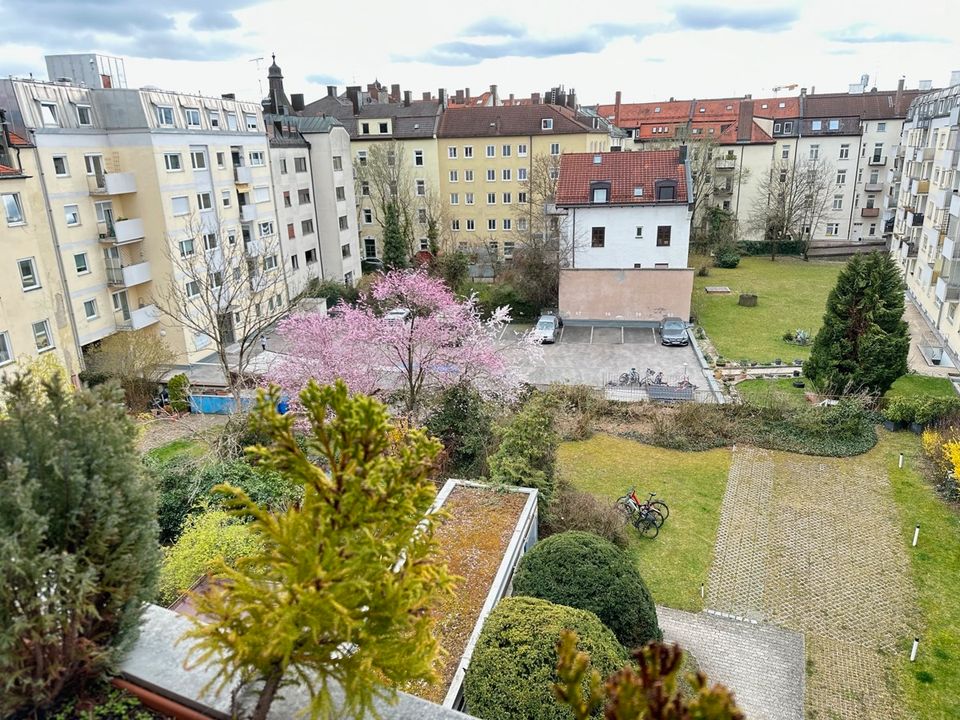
(442, 97)
(427, 96)
(511, 98)
(616, 108)
(954, 78)
(493, 95)
(353, 94)
(535, 98)
(296, 101)
(229, 96)
(813, 89)
(803, 91)
(745, 122)
(572, 99)
(459, 97)
(373, 90)
(682, 154)
(331, 90)
(407, 96)
(395, 93)
(466, 94)
(925, 85)
(898, 98)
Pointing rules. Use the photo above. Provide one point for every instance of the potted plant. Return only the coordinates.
(924, 412)
(896, 413)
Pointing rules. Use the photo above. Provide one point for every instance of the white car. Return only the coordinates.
(400, 314)
(547, 329)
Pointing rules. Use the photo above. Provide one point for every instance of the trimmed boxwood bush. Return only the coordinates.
(513, 667)
(585, 571)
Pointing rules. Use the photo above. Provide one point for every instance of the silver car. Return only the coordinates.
(548, 328)
(673, 331)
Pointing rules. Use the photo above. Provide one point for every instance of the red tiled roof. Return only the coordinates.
(509, 120)
(7, 170)
(868, 106)
(790, 109)
(16, 139)
(757, 135)
(624, 171)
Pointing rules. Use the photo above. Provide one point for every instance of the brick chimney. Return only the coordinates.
(458, 96)
(331, 90)
(466, 95)
(616, 109)
(395, 93)
(353, 94)
(426, 96)
(442, 97)
(535, 98)
(494, 96)
(745, 121)
(407, 97)
(899, 97)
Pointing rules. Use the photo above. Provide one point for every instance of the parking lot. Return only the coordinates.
(597, 354)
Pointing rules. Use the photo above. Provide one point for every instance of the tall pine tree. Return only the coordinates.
(864, 342)
(394, 247)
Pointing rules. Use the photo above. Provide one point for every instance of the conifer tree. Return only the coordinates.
(394, 247)
(864, 342)
(341, 592)
(78, 539)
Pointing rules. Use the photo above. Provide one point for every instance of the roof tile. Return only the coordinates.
(624, 171)
(510, 120)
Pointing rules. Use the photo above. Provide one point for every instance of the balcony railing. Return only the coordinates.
(878, 160)
(870, 212)
(139, 318)
(920, 187)
(873, 187)
(723, 189)
(922, 154)
(128, 275)
(243, 174)
(955, 205)
(908, 250)
(947, 290)
(915, 219)
(248, 213)
(726, 163)
(119, 232)
(115, 183)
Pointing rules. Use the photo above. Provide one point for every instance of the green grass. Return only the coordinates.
(913, 385)
(177, 448)
(792, 295)
(677, 561)
(763, 392)
(931, 682)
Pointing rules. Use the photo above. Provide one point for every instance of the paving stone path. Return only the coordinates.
(810, 544)
(762, 664)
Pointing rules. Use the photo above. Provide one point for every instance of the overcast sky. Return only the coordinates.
(650, 50)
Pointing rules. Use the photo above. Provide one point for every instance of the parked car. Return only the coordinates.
(548, 328)
(673, 331)
(400, 314)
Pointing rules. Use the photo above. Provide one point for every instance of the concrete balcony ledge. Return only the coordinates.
(870, 212)
(140, 318)
(118, 183)
(950, 249)
(882, 160)
(873, 187)
(248, 213)
(955, 205)
(122, 231)
(137, 274)
(947, 290)
(243, 175)
(725, 163)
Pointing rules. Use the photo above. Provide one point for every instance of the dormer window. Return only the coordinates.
(656, 109)
(546, 124)
(599, 192)
(666, 190)
(703, 109)
(597, 159)
(638, 191)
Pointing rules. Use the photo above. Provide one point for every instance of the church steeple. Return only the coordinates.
(276, 101)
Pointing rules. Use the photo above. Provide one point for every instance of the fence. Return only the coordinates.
(669, 390)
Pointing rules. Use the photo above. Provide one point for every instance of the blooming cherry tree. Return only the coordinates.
(430, 341)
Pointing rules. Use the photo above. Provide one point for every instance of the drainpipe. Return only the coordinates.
(856, 182)
(56, 251)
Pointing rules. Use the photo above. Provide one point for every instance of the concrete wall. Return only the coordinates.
(633, 295)
(622, 248)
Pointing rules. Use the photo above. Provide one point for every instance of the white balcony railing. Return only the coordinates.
(117, 183)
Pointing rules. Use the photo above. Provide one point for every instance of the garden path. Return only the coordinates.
(810, 544)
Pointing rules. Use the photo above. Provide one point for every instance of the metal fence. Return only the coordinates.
(669, 390)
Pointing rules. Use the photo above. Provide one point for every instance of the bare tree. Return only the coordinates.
(792, 201)
(384, 178)
(227, 284)
(137, 359)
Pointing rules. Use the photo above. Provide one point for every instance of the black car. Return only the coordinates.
(673, 331)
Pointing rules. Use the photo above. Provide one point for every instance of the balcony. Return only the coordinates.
(117, 183)
(253, 247)
(941, 197)
(723, 189)
(248, 213)
(726, 163)
(120, 232)
(914, 219)
(947, 289)
(877, 160)
(128, 275)
(889, 202)
(869, 212)
(947, 158)
(908, 250)
(922, 154)
(951, 248)
(139, 318)
(873, 187)
(243, 175)
(955, 205)
(919, 187)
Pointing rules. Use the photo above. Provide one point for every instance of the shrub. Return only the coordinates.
(453, 267)
(78, 540)
(727, 257)
(578, 406)
(178, 387)
(490, 296)
(206, 539)
(703, 271)
(462, 422)
(900, 409)
(585, 571)
(527, 453)
(514, 662)
(573, 509)
(334, 292)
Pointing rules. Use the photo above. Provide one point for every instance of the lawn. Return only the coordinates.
(931, 682)
(176, 448)
(764, 392)
(792, 295)
(677, 561)
(913, 385)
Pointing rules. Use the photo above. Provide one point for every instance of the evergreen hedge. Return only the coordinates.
(527, 454)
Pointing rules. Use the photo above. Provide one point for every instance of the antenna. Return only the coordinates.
(258, 60)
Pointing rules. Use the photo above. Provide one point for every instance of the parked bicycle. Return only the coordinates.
(650, 377)
(647, 516)
(685, 383)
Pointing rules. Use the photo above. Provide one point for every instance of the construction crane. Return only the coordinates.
(791, 86)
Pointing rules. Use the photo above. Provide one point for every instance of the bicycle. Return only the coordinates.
(653, 378)
(638, 511)
(685, 383)
(630, 378)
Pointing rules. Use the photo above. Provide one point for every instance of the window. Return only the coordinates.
(90, 309)
(187, 248)
(424, 244)
(453, 176)
(491, 198)
(232, 121)
(505, 151)
(367, 216)
(521, 174)
(838, 202)
(28, 274)
(877, 151)
(491, 175)
(48, 115)
(597, 237)
(365, 128)
(214, 116)
(306, 227)
(841, 177)
(873, 229)
(468, 151)
(221, 163)
(204, 202)
(784, 152)
(172, 162)
(310, 256)
(365, 188)
(522, 224)
(232, 238)
(294, 262)
(80, 263)
(452, 152)
(256, 159)
(41, 336)
(73, 214)
(6, 350)
(599, 194)
(506, 174)
(265, 228)
(777, 127)
(493, 247)
(833, 125)
(291, 231)
(783, 176)
(303, 195)
(198, 159)
(814, 152)
(522, 150)
(193, 289)
(340, 192)
(225, 198)
(193, 117)
(261, 194)
(344, 224)
(215, 279)
(251, 121)
(300, 164)
(210, 241)
(881, 127)
(84, 116)
(60, 166)
(454, 198)
(639, 231)
(164, 116)
(844, 151)
(508, 250)
(491, 151)
(270, 263)
(468, 175)
(663, 235)
(521, 197)
(816, 125)
(345, 251)
(384, 129)
(788, 127)
(491, 224)
(666, 191)
(554, 148)
(507, 199)
(286, 199)
(422, 215)
(546, 124)
(507, 224)
(833, 229)
(418, 158)
(454, 224)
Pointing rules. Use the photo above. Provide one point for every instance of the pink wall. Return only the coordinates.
(625, 294)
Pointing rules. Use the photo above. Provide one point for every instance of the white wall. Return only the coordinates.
(622, 248)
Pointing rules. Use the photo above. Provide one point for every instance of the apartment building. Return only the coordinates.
(926, 225)
(35, 316)
(136, 178)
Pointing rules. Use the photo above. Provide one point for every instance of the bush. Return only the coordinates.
(490, 296)
(578, 406)
(727, 257)
(332, 291)
(582, 570)
(78, 540)
(206, 538)
(764, 247)
(527, 453)
(514, 662)
(178, 388)
(463, 424)
(573, 509)
(453, 267)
